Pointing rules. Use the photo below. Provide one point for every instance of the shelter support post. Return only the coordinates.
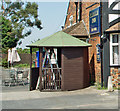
(30, 88)
(40, 68)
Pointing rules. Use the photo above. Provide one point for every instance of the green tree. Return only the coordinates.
(17, 20)
(8, 39)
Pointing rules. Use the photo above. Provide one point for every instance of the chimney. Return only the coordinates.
(80, 11)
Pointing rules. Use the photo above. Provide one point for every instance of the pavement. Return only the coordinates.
(19, 97)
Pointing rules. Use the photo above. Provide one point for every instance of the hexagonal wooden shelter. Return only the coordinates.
(64, 66)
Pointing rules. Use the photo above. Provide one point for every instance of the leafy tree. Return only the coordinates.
(17, 20)
(8, 39)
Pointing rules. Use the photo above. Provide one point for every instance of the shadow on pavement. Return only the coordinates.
(15, 88)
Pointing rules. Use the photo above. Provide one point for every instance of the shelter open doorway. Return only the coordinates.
(51, 70)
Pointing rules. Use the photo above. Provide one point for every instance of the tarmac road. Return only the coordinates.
(19, 97)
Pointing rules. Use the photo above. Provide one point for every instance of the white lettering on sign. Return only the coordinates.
(94, 13)
(93, 20)
(94, 29)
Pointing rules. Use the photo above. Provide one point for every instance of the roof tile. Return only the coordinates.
(60, 39)
(115, 27)
(77, 30)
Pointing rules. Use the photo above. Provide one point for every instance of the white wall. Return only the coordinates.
(113, 16)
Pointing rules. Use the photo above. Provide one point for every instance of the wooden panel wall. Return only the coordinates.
(73, 71)
(86, 68)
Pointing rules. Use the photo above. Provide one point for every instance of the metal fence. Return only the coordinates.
(51, 79)
(15, 76)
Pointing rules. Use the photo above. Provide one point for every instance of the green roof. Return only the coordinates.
(60, 39)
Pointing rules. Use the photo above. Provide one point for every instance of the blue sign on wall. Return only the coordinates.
(94, 21)
(98, 52)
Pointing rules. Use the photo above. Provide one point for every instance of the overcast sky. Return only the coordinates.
(52, 16)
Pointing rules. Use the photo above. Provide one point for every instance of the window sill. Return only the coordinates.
(115, 65)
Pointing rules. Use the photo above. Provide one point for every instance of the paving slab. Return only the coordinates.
(19, 97)
(89, 98)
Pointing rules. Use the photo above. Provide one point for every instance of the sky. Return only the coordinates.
(52, 16)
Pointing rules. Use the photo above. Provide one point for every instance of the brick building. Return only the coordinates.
(81, 22)
(79, 27)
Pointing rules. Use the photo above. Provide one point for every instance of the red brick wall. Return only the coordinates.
(94, 39)
(71, 11)
(92, 55)
(115, 73)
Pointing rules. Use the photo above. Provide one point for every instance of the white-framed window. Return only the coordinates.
(115, 49)
(78, 14)
(71, 20)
